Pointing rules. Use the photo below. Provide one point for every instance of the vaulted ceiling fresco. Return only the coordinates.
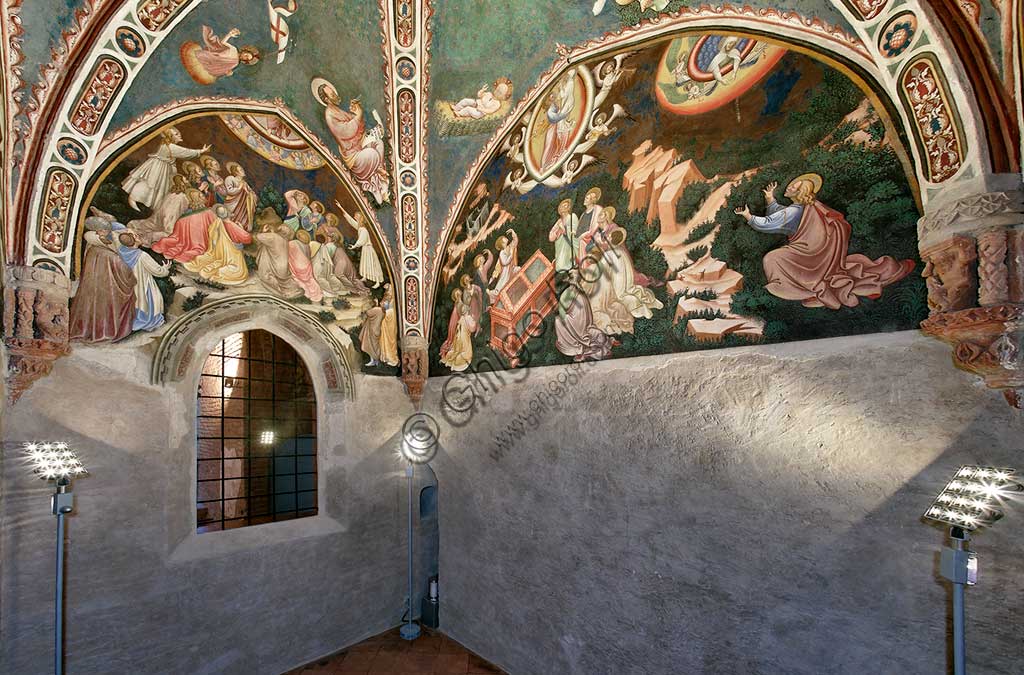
(705, 191)
(217, 205)
(460, 129)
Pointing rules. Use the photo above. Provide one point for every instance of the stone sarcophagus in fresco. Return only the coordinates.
(522, 305)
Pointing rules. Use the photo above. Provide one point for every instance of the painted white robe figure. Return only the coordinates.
(323, 269)
(508, 263)
(369, 263)
(149, 182)
(639, 301)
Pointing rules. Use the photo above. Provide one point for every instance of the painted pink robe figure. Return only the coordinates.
(457, 350)
(191, 234)
(216, 57)
(149, 182)
(362, 151)
(301, 266)
(561, 124)
(103, 307)
(814, 267)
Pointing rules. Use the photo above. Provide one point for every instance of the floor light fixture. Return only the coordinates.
(973, 499)
(58, 463)
(419, 446)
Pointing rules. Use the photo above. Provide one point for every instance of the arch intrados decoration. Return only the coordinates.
(811, 37)
(61, 80)
(146, 128)
(193, 335)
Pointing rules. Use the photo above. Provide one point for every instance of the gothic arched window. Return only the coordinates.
(256, 434)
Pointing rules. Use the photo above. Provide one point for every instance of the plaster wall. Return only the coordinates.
(754, 510)
(145, 594)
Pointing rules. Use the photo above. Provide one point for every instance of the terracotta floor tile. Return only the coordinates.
(449, 646)
(478, 666)
(388, 654)
(452, 663)
(427, 643)
(356, 663)
(419, 662)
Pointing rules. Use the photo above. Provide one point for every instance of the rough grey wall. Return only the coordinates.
(743, 511)
(144, 593)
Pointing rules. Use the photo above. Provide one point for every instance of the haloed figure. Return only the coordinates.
(814, 267)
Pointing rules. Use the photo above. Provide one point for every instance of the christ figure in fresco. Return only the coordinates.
(561, 121)
(149, 182)
(814, 267)
(362, 150)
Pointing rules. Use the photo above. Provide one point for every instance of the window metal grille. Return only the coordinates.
(256, 434)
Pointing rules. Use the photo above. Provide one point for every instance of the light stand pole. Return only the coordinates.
(960, 566)
(419, 445)
(411, 630)
(971, 500)
(62, 503)
(57, 462)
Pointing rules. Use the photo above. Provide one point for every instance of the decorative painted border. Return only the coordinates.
(866, 10)
(937, 126)
(93, 103)
(72, 81)
(406, 38)
(54, 218)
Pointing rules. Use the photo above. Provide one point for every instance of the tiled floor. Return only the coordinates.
(389, 654)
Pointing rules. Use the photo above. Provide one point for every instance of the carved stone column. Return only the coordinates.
(973, 251)
(415, 367)
(35, 324)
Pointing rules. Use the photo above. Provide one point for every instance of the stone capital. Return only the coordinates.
(415, 366)
(35, 324)
(970, 215)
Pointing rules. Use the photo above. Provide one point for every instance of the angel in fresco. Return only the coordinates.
(362, 150)
(457, 350)
(216, 57)
(815, 267)
(149, 182)
(658, 5)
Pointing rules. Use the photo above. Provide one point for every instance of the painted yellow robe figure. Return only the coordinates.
(457, 350)
(389, 328)
(222, 262)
